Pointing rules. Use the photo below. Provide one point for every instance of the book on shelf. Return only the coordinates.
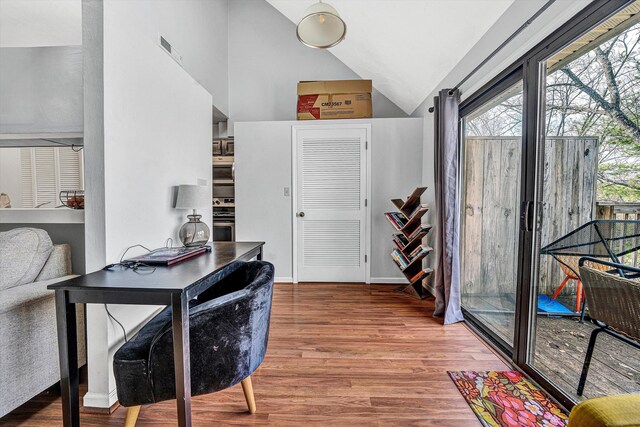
(397, 255)
(419, 251)
(418, 230)
(398, 219)
(419, 207)
(418, 275)
(396, 260)
(397, 263)
(400, 239)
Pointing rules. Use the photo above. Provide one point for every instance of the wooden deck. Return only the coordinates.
(339, 355)
(560, 348)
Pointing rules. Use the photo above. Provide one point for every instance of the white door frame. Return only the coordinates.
(294, 191)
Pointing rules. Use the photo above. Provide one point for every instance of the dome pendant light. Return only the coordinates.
(321, 27)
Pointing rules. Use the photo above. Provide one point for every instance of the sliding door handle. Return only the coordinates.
(526, 216)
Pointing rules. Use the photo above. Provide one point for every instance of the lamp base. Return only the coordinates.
(194, 233)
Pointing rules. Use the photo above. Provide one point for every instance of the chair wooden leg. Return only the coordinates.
(132, 416)
(247, 388)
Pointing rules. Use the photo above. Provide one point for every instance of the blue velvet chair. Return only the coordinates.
(229, 329)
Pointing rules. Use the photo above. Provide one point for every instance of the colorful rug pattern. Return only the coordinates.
(507, 399)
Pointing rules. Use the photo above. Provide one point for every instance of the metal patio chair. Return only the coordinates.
(614, 304)
(606, 239)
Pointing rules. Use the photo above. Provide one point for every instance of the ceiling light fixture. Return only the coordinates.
(321, 27)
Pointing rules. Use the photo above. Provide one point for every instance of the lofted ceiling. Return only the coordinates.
(405, 46)
(30, 23)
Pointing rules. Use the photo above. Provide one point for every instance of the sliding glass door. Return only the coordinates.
(550, 155)
(589, 201)
(491, 159)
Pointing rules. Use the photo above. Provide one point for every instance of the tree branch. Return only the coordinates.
(605, 63)
(612, 110)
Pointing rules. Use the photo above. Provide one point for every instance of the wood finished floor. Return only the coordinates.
(339, 355)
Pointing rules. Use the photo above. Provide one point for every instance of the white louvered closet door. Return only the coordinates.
(330, 204)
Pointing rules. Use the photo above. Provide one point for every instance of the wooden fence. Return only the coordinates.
(491, 204)
(624, 211)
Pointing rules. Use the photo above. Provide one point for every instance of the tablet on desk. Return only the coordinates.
(168, 256)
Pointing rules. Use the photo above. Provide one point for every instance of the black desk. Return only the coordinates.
(173, 286)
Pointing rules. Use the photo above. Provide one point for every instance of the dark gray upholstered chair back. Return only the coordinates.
(229, 329)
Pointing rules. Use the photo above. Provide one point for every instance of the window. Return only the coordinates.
(33, 177)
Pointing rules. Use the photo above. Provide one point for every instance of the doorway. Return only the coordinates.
(330, 226)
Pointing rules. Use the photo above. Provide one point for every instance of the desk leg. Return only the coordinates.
(182, 358)
(259, 256)
(68, 353)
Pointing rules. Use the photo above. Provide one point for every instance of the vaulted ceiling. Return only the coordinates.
(405, 46)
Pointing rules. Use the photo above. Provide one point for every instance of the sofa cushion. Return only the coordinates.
(23, 253)
(58, 264)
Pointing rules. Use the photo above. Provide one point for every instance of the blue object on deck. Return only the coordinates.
(548, 305)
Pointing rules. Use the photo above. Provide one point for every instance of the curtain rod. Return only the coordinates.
(502, 45)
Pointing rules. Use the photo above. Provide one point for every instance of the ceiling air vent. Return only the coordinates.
(170, 50)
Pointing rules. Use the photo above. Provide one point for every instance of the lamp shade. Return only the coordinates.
(321, 27)
(193, 197)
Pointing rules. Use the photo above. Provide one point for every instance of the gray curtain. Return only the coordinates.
(447, 274)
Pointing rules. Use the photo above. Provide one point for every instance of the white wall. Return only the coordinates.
(396, 170)
(518, 13)
(197, 29)
(149, 132)
(266, 61)
(40, 89)
(264, 169)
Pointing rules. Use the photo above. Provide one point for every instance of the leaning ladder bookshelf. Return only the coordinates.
(409, 250)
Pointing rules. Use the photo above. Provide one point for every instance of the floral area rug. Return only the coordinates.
(507, 398)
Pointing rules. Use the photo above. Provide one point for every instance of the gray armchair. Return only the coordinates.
(28, 338)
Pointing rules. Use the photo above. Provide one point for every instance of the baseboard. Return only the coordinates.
(104, 411)
(390, 280)
(382, 280)
(100, 401)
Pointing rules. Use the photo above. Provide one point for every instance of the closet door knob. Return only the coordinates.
(301, 214)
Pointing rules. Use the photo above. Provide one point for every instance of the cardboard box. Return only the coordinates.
(338, 99)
